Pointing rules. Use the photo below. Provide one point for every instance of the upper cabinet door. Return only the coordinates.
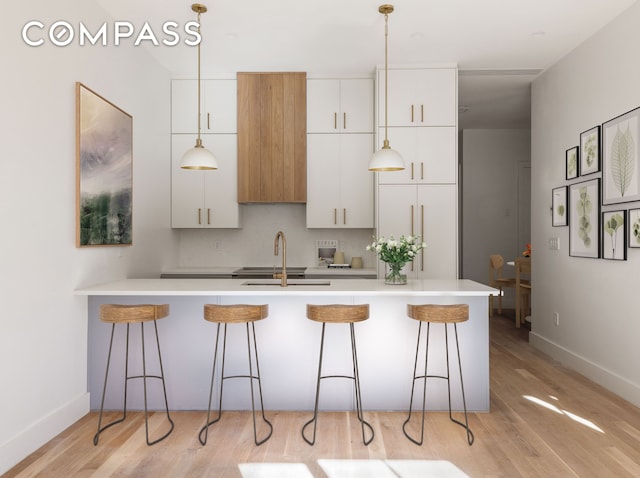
(356, 105)
(217, 110)
(340, 105)
(419, 97)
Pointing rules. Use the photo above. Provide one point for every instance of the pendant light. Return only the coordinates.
(199, 157)
(386, 159)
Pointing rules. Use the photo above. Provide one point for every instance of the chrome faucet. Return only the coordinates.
(283, 273)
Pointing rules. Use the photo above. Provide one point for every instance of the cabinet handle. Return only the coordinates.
(344, 216)
(422, 170)
(412, 113)
(209, 216)
(422, 236)
(335, 216)
(411, 170)
(344, 120)
(412, 219)
(335, 120)
(422, 113)
(208, 120)
(199, 216)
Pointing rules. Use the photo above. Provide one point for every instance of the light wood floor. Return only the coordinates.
(545, 421)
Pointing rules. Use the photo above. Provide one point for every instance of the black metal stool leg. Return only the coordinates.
(164, 388)
(251, 379)
(104, 388)
(424, 385)
(204, 431)
(356, 381)
(465, 425)
(314, 420)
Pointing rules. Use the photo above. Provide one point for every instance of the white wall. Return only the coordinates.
(490, 163)
(43, 326)
(597, 299)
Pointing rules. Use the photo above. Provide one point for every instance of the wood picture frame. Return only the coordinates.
(584, 227)
(572, 157)
(614, 235)
(590, 151)
(559, 210)
(633, 220)
(620, 165)
(104, 171)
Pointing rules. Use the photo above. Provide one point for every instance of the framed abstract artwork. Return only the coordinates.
(584, 227)
(590, 151)
(104, 180)
(620, 175)
(571, 156)
(614, 235)
(559, 207)
(634, 228)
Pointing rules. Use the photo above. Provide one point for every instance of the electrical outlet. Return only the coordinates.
(556, 318)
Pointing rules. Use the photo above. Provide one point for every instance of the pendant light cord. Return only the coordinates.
(386, 79)
(199, 116)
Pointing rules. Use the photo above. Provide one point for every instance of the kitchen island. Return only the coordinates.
(288, 343)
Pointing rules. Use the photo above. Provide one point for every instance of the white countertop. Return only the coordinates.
(229, 287)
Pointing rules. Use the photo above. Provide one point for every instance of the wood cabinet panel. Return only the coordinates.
(272, 140)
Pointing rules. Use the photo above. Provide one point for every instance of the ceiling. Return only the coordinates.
(499, 45)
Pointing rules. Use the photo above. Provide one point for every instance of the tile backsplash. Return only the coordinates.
(253, 244)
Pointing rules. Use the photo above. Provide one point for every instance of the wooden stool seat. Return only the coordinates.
(235, 313)
(447, 315)
(118, 313)
(115, 314)
(339, 314)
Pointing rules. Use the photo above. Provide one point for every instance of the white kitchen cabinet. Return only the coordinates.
(205, 199)
(419, 97)
(429, 155)
(218, 107)
(340, 105)
(339, 185)
(430, 211)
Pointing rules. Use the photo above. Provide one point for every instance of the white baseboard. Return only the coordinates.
(606, 378)
(41, 431)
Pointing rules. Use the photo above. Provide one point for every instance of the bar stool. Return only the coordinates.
(235, 314)
(441, 314)
(134, 314)
(339, 314)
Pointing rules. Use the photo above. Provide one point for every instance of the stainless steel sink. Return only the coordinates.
(267, 272)
(290, 282)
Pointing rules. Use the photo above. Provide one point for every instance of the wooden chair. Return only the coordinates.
(497, 281)
(523, 288)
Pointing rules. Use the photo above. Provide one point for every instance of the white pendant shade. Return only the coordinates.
(198, 157)
(386, 159)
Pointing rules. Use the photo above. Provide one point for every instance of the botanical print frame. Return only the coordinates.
(634, 228)
(584, 227)
(590, 151)
(571, 157)
(104, 164)
(614, 235)
(620, 174)
(559, 209)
